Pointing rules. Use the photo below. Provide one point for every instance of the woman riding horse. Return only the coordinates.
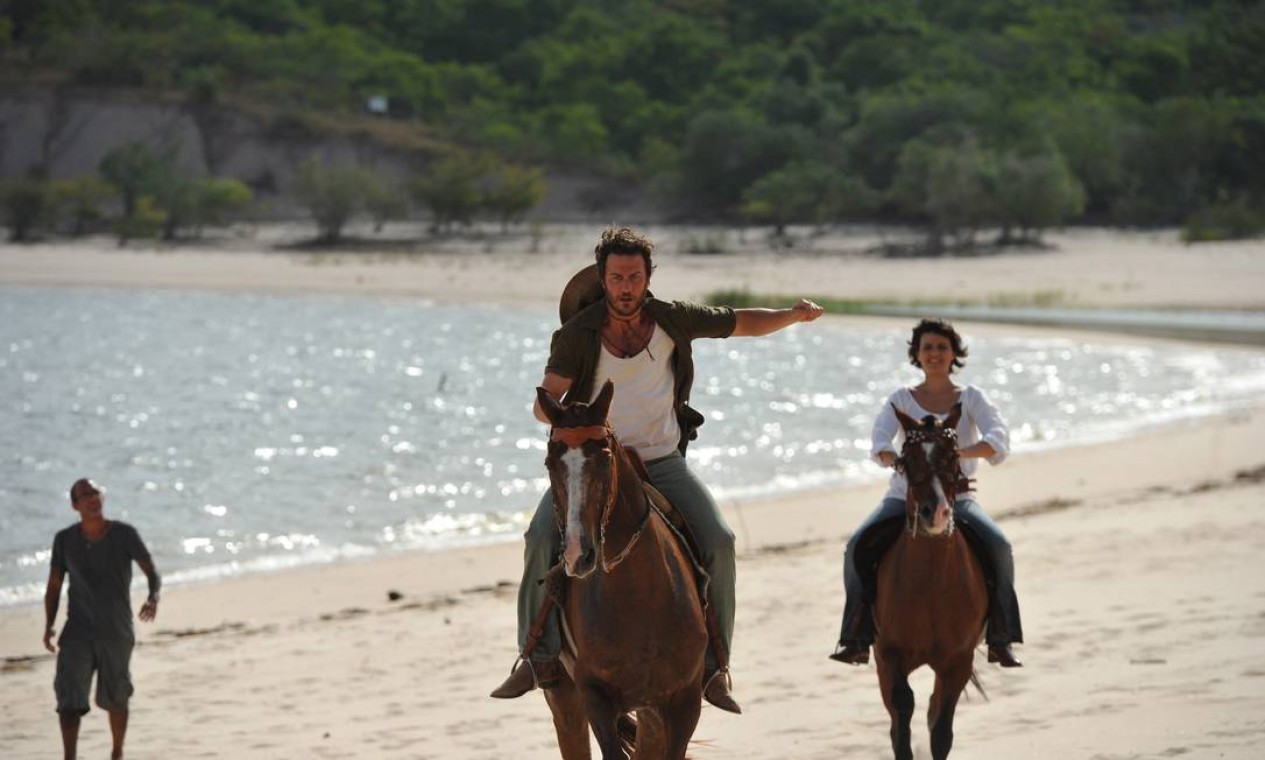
(937, 349)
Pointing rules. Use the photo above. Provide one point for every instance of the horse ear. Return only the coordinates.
(951, 422)
(907, 422)
(548, 404)
(602, 403)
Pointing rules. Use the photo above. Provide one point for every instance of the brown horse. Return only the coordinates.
(932, 599)
(632, 614)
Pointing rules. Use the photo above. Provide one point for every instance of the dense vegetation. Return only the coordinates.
(964, 115)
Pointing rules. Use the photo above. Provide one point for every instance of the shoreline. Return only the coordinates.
(760, 525)
(731, 505)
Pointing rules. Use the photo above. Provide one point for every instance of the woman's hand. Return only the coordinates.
(981, 450)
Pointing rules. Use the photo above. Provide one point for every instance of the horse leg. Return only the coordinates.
(898, 698)
(950, 682)
(650, 734)
(680, 717)
(604, 718)
(569, 720)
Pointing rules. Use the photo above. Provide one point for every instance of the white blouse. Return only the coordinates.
(980, 422)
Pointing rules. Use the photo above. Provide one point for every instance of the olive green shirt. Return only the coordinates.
(577, 347)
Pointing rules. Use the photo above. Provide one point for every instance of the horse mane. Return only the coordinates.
(638, 463)
(630, 470)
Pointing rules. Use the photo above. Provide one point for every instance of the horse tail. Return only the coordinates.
(626, 725)
(978, 684)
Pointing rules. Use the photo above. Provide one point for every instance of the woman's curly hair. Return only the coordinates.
(943, 328)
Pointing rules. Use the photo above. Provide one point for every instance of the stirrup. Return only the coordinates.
(717, 689)
(522, 679)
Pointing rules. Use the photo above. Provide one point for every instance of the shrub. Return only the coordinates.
(26, 202)
(1234, 220)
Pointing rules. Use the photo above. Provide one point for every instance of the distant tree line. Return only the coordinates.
(965, 116)
(151, 198)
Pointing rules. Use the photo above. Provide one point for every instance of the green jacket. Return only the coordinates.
(577, 346)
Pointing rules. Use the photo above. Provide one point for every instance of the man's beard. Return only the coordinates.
(626, 308)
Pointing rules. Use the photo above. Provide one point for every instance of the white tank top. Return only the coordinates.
(641, 411)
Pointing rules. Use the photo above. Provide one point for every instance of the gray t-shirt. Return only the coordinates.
(100, 574)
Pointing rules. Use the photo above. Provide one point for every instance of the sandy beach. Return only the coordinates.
(1139, 561)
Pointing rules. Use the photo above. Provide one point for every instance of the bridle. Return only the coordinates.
(575, 437)
(942, 436)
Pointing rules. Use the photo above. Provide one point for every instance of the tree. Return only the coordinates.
(136, 169)
(333, 194)
(81, 199)
(1033, 193)
(26, 202)
(450, 188)
(725, 152)
(384, 202)
(196, 203)
(146, 221)
(951, 187)
(800, 192)
(513, 191)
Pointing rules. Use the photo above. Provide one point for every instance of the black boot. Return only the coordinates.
(1001, 654)
(853, 653)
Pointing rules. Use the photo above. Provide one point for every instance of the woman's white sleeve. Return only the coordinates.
(884, 433)
(992, 426)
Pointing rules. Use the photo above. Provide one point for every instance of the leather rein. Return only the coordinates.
(575, 437)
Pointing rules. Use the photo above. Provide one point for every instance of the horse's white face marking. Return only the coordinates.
(944, 510)
(573, 461)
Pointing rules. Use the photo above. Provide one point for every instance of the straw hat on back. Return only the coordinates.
(585, 288)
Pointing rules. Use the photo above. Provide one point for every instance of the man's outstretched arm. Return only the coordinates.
(755, 322)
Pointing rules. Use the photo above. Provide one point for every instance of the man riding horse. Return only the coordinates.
(614, 329)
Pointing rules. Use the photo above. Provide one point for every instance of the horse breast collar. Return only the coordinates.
(929, 435)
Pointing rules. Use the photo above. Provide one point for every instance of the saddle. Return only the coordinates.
(873, 545)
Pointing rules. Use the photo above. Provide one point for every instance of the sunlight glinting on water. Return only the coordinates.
(243, 433)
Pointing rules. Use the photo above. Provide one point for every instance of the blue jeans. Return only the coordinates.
(711, 533)
(1004, 626)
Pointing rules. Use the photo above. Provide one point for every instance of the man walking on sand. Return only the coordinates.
(97, 554)
(614, 329)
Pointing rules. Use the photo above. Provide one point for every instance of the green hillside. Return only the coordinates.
(1010, 113)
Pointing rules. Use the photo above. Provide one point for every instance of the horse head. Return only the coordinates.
(930, 460)
(582, 474)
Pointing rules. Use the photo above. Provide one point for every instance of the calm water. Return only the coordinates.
(248, 432)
